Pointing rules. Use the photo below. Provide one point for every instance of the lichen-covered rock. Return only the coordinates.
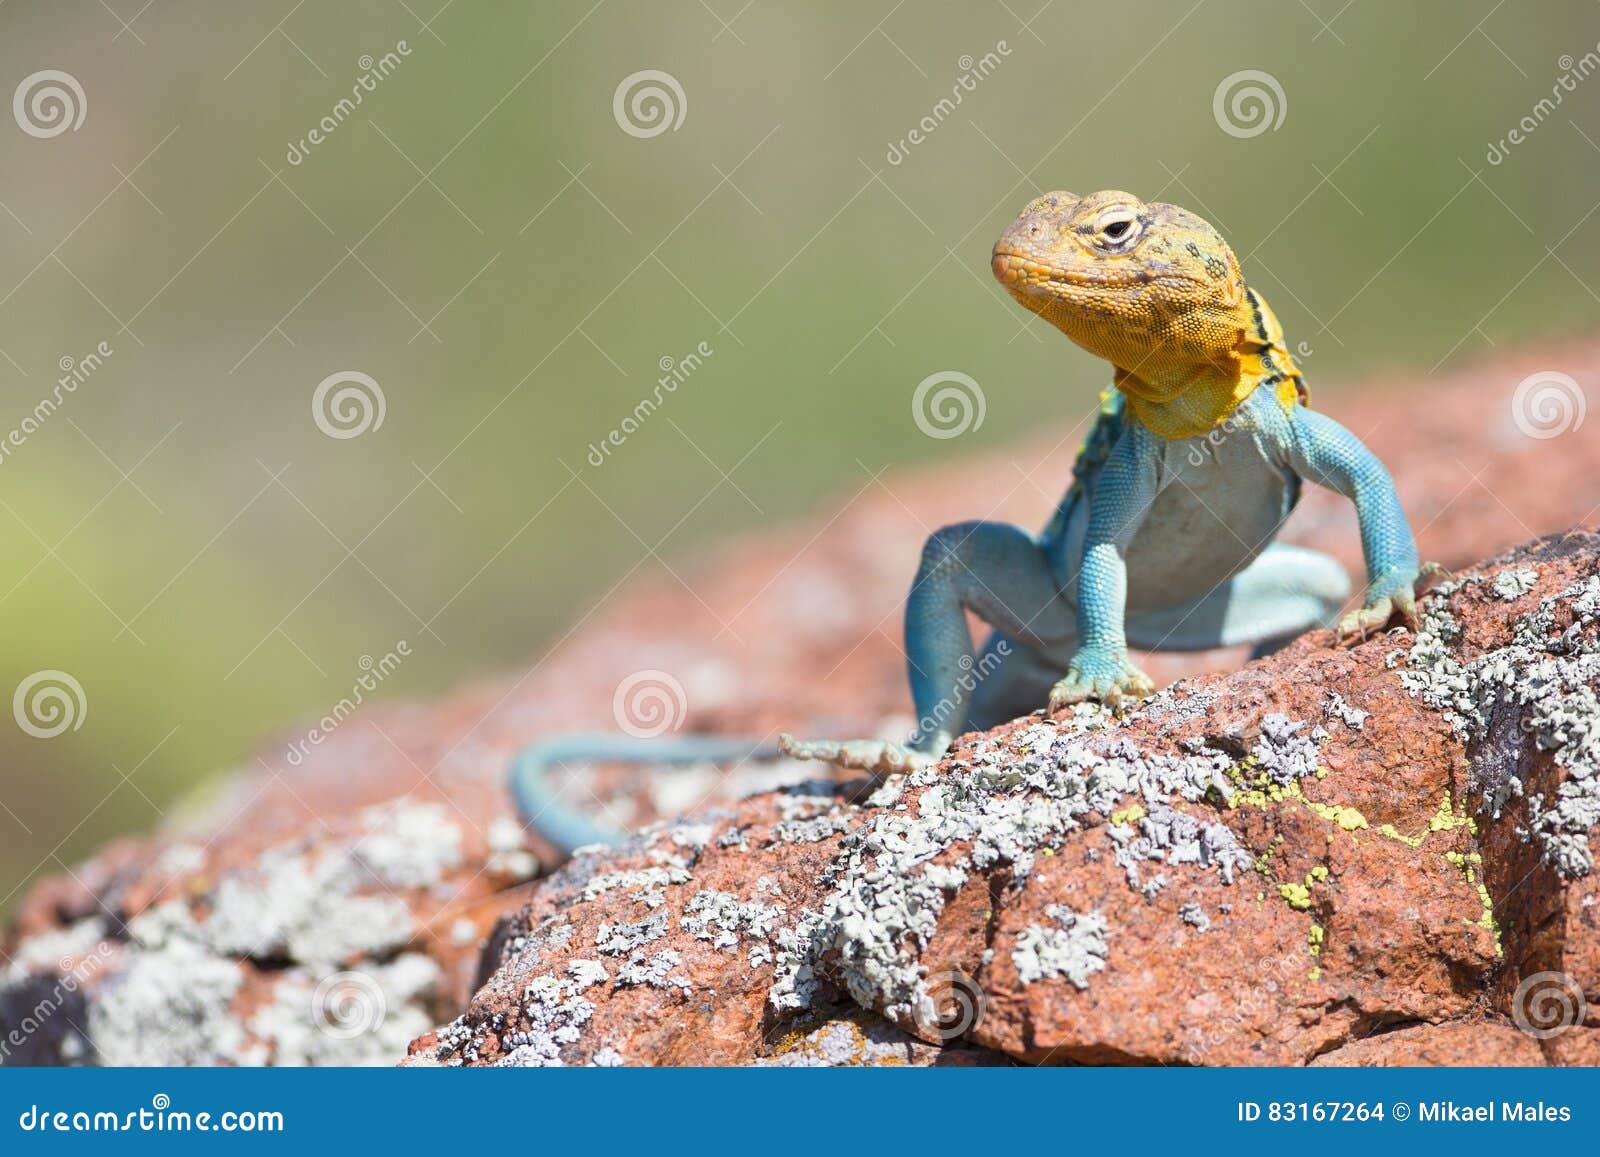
(786, 630)
(331, 948)
(660, 951)
(1355, 854)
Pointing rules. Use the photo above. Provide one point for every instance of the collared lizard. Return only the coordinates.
(1163, 540)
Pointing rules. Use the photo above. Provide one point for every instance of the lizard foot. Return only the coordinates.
(1388, 599)
(877, 757)
(1107, 678)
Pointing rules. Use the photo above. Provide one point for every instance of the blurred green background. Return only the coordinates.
(482, 237)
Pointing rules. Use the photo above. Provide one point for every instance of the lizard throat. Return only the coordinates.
(1189, 405)
(1178, 400)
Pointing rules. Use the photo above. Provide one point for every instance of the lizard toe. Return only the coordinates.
(877, 757)
(1361, 623)
(1111, 685)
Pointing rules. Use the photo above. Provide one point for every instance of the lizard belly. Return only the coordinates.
(1223, 502)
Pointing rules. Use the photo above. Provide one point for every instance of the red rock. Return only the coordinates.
(797, 629)
(1462, 1043)
(1247, 869)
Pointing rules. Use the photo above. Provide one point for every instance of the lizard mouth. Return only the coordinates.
(1028, 275)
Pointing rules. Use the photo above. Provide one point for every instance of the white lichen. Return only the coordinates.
(1282, 753)
(1511, 585)
(1001, 806)
(723, 919)
(622, 937)
(1195, 916)
(659, 971)
(647, 884)
(1074, 948)
(408, 844)
(555, 1017)
(1338, 708)
(387, 1007)
(509, 854)
(1539, 689)
(171, 1006)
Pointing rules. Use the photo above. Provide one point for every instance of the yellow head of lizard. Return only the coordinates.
(1155, 291)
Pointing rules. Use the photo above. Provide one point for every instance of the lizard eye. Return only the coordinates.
(1119, 227)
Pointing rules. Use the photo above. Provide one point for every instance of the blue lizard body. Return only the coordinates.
(1164, 538)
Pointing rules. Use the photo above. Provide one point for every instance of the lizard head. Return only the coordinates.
(1149, 287)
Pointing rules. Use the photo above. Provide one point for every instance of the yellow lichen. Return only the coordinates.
(1487, 921)
(1264, 861)
(1445, 818)
(1298, 896)
(1347, 818)
(1469, 863)
(1129, 815)
(1393, 833)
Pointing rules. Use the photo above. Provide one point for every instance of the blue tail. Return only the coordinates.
(568, 829)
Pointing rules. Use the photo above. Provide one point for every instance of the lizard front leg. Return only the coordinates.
(1122, 495)
(1328, 454)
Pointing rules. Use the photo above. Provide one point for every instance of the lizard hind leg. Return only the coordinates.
(1018, 686)
(1001, 574)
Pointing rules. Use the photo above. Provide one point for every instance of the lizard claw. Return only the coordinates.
(1387, 600)
(877, 757)
(1373, 618)
(1106, 678)
(1429, 571)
